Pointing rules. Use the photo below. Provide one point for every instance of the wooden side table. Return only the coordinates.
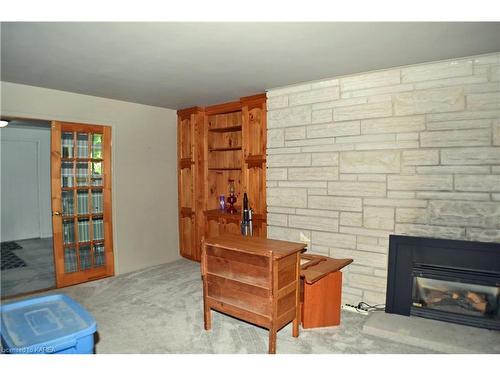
(321, 290)
(253, 279)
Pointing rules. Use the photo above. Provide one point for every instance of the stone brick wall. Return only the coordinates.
(412, 150)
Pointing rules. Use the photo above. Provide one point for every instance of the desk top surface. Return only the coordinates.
(256, 245)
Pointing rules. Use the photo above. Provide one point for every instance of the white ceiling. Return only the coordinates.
(177, 65)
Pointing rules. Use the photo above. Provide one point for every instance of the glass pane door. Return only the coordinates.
(82, 184)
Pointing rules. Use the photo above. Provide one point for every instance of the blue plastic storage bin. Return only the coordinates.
(54, 324)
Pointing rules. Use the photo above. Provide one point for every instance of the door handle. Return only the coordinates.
(56, 213)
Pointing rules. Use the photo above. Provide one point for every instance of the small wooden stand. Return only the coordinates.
(321, 290)
(253, 279)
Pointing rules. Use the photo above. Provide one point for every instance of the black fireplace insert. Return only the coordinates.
(449, 280)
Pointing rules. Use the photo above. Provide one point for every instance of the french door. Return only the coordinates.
(81, 202)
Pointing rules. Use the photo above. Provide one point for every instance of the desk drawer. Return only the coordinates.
(238, 266)
(244, 296)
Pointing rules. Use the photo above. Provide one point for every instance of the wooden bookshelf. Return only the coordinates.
(216, 144)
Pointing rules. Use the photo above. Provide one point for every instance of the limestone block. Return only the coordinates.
(276, 174)
(310, 142)
(325, 83)
(289, 234)
(285, 117)
(452, 169)
(313, 223)
(372, 177)
(367, 282)
(459, 124)
(314, 96)
(352, 219)
(427, 72)
(365, 231)
(375, 79)
(429, 101)
(420, 182)
(375, 298)
(495, 73)
(335, 203)
(407, 136)
(386, 145)
(317, 191)
(367, 240)
(364, 258)
(283, 150)
(313, 173)
(421, 157)
(322, 115)
(298, 132)
(357, 189)
(304, 184)
(346, 241)
(348, 177)
(489, 183)
(335, 129)
(421, 230)
(478, 77)
(370, 162)
(281, 210)
(374, 248)
(395, 202)
(453, 196)
(471, 155)
(483, 235)
(462, 115)
(339, 103)
(378, 91)
(275, 138)
(280, 220)
(322, 213)
(329, 148)
(490, 58)
(363, 111)
(464, 213)
(287, 197)
(277, 102)
(411, 215)
(496, 133)
(325, 159)
(289, 160)
(401, 194)
(456, 138)
(369, 138)
(378, 218)
(483, 101)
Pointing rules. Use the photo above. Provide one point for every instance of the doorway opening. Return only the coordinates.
(27, 254)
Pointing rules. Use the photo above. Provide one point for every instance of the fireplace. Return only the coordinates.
(454, 281)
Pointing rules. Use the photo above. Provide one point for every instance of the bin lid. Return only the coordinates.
(44, 324)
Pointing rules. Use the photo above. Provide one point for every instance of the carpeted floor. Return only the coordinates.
(159, 310)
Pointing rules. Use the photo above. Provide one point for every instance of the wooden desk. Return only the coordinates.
(253, 279)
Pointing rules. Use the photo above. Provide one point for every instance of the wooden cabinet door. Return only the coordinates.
(81, 202)
(186, 178)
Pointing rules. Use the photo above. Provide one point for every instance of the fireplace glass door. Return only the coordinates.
(456, 298)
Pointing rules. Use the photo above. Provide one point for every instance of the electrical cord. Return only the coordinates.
(377, 307)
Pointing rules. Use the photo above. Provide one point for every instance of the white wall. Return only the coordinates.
(25, 179)
(144, 166)
(412, 150)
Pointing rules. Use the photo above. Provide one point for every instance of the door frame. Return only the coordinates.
(109, 212)
(108, 270)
